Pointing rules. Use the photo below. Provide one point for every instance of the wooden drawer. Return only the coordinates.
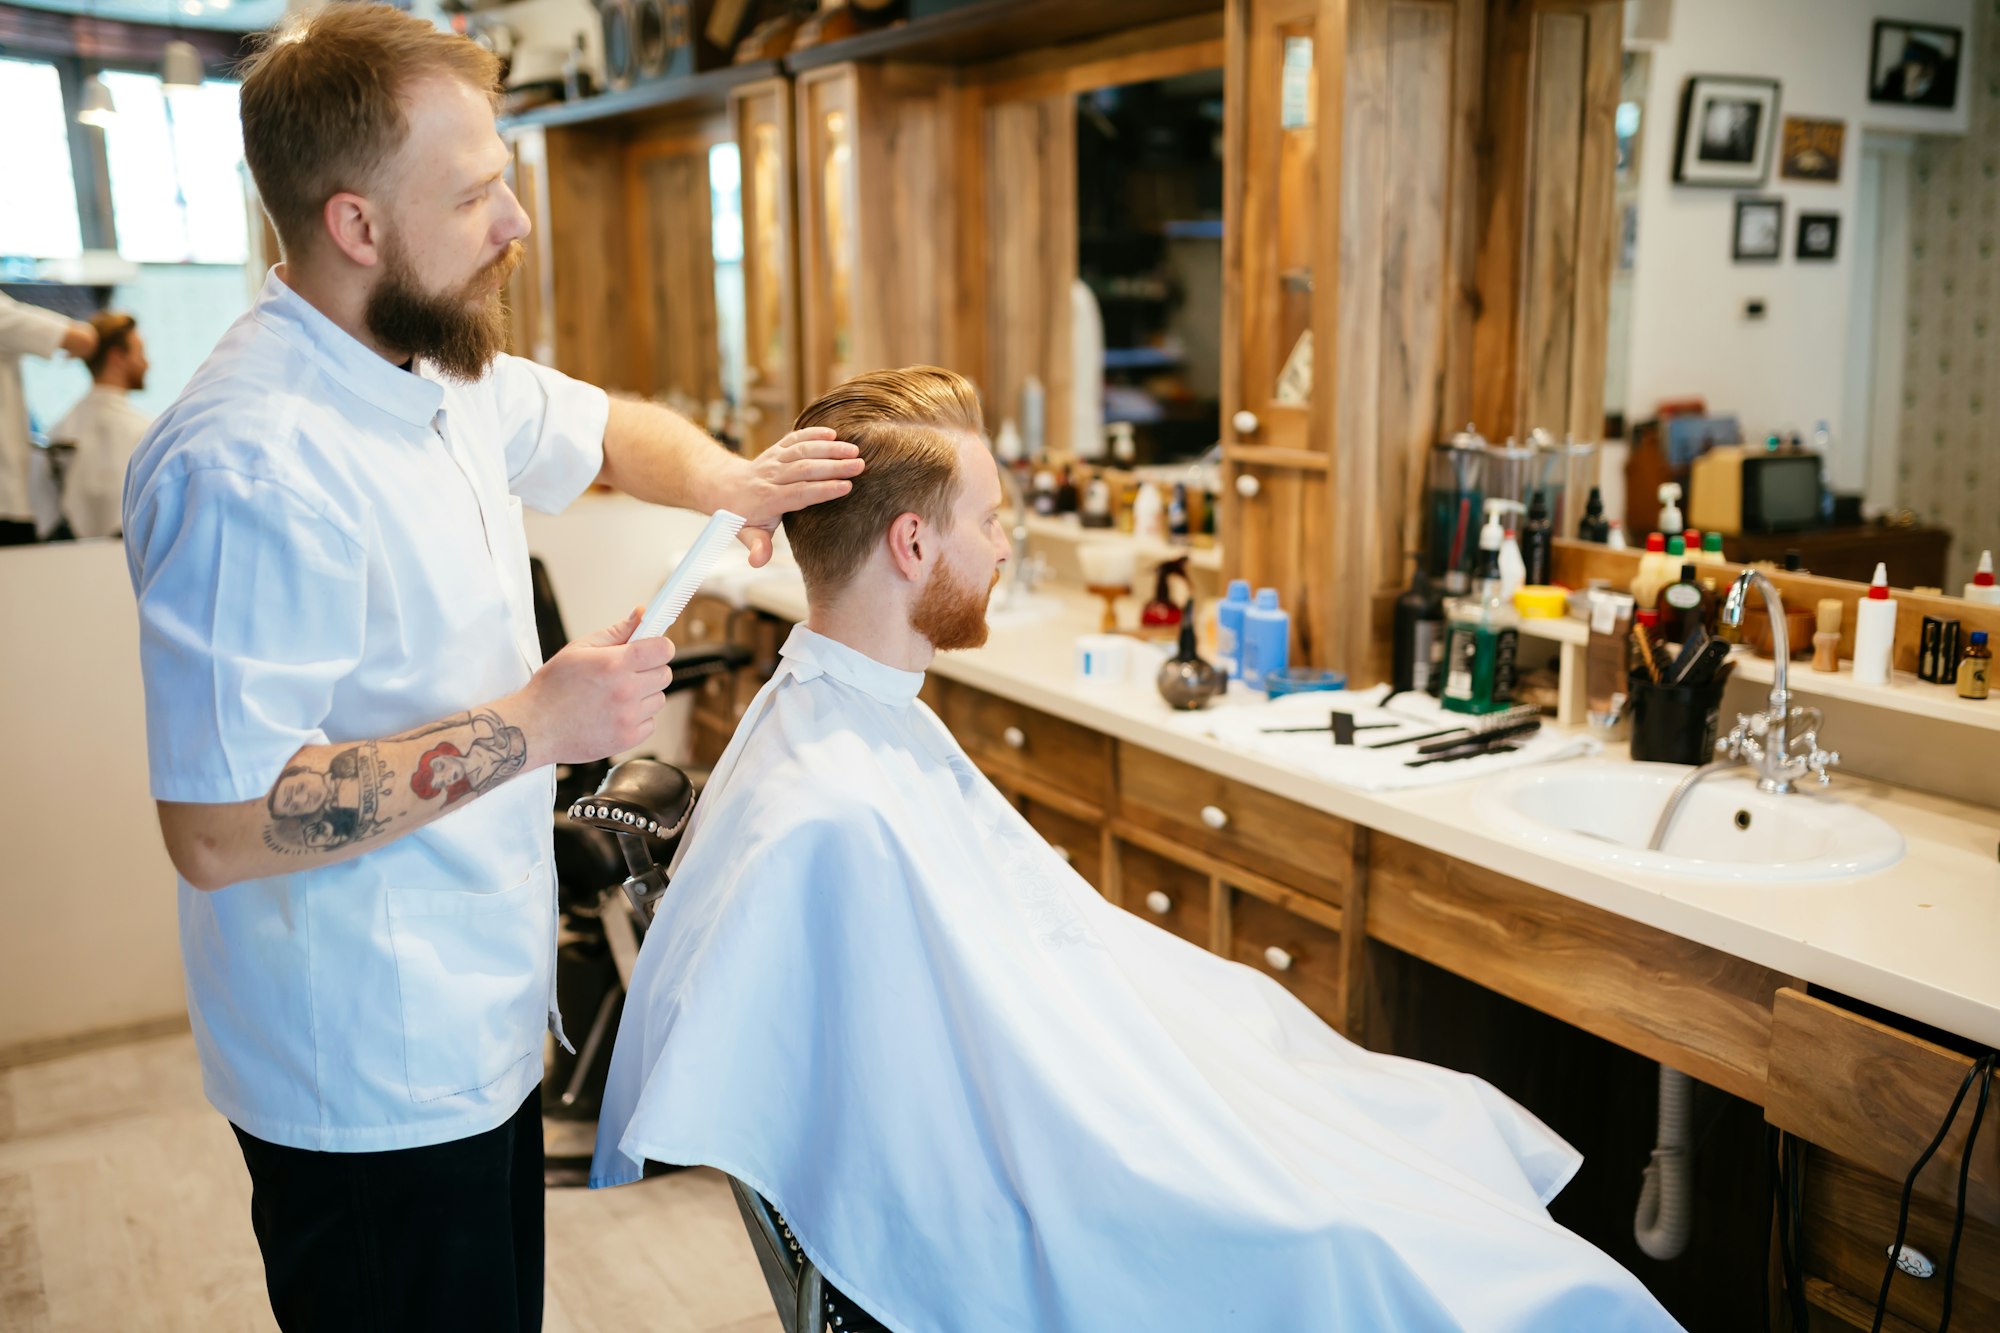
(1302, 955)
(1077, 841)
(1274, 837)
(1849, 1222)
(1020, 742)
(1876, 1096)
(1165, 893)
(1705, 1012)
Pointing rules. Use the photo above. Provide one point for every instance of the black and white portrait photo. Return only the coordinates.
(1760, 230)
(1726, 130)
(1914, 64)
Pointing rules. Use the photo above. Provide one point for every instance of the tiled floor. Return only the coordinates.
(124, 1206)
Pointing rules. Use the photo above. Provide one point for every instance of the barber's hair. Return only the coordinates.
(907, 424)
(113, 327)
(321, 109)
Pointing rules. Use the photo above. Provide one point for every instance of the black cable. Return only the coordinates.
(1964, 1170)
(1983, 1064)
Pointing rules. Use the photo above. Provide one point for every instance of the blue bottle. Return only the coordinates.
(1229, 626)
(1267, 639)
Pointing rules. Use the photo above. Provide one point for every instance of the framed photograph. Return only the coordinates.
(1914, 64)
(1819, 236)
(1727, 125)
(1810, 149)
(1760, 230)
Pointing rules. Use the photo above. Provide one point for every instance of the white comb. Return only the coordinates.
(680, 587)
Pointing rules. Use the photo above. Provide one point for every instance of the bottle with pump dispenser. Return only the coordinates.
(1670, 507)
(1267, 639)
(1484, 637)
(1149, 513)
(1875, 631)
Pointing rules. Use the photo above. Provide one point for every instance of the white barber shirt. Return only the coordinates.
(327, 548)
(25, 330)
(105, 428)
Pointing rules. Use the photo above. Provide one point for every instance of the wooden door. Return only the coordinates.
(676, 355)
(760, 120)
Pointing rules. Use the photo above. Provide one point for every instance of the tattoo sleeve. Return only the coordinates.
(331, 798)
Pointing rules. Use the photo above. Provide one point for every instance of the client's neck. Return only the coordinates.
(877, 628)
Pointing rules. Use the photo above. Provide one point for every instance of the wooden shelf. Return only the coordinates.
(707, 91)
(992, 29)
(1903, 694)
(1557, 629)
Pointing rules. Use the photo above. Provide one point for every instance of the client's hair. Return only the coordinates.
(907, 424)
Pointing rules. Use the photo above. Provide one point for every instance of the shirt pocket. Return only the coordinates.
(473, 970)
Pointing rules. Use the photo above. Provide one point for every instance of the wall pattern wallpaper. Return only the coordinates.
(1949, 450)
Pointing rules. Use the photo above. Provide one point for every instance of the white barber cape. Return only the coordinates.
(986, 1099)
(106, 429)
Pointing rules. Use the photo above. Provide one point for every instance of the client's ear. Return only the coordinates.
(910, 545)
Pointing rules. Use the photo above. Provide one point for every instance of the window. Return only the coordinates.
(176, 183)
(38, 219)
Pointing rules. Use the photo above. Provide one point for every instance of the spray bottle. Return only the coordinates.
(1485, 633)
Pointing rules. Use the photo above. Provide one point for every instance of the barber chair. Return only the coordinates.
(644, 806)
(588, 863)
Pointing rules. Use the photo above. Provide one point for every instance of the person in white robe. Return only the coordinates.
(104, 428)
(984, 1097)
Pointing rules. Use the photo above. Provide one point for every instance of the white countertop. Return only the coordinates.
(1921, 939)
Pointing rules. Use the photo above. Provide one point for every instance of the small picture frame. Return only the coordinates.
(1810, 149)
(1819, 237)
(1914, 64)
(1759, 233)
(1726, 129)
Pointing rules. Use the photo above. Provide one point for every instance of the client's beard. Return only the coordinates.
(951, 611)
(460, 331)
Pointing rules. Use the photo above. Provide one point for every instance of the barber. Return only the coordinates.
(351, 733)
(26, 330)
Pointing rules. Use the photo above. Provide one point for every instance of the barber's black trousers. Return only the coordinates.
(430, 1240)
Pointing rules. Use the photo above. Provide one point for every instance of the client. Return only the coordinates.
(985, 1098)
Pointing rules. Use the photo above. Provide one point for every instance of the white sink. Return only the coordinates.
(1726, 829)
(1009, 609)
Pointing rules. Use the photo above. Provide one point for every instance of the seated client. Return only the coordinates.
(985, 1098)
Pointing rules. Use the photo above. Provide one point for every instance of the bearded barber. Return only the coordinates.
(324, 533)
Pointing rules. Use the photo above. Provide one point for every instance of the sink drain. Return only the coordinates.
(1743, 819)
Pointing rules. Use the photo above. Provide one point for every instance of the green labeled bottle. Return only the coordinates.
(1485, 634)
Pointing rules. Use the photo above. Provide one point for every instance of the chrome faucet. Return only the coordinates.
(1782, 743)
(1025, 571)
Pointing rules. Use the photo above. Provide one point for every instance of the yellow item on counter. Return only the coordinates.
(1541, 602)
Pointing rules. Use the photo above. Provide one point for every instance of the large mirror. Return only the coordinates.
(1801, 324)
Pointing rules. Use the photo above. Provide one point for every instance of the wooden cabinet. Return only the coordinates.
(531, 308)
(1013, 741)
(721, 701)
(1300, 953)
(1165, 892)
(760, 120)
(1236, 823)
(876, 220)
(676, 353)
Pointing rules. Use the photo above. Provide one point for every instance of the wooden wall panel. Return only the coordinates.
(1031, 256)
(531, 330)
(1548, 295)
(760, 118)
(676, 354)
(586, 254)
(829, 247)
(1280, 538)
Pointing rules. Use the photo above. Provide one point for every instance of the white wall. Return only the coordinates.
(86, 891)
(1689, 335)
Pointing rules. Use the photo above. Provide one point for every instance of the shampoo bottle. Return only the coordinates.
(1229, 627)
(1683, 609)
(1484, 636)
(1875, 631)
(1267, 639)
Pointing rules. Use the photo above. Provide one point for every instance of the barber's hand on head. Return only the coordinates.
(598, 696)
(802, 469)
(80, 339)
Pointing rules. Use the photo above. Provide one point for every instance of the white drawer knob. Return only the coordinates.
(1215, 816)
(1278, 959)
(1247, 486)
(698, 630)
(1245, 421)
(1158, 903)
(1063, 852)
(1016, 738)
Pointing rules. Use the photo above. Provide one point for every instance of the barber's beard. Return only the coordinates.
(951, 610)
(459, 331)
